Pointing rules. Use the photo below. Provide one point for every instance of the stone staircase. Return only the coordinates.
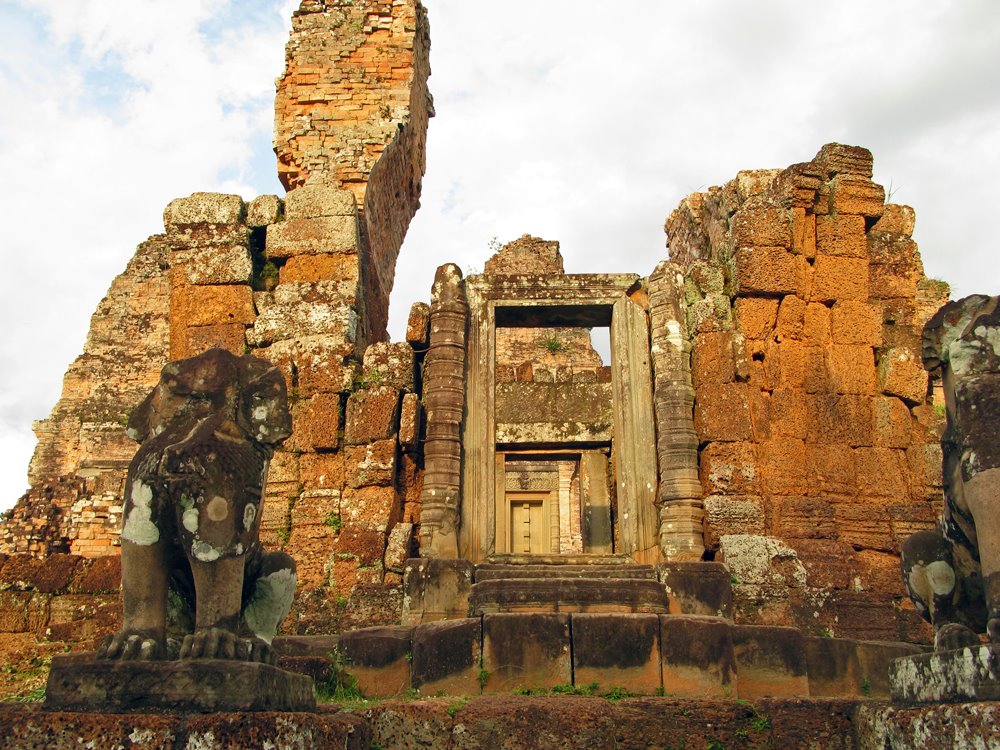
(577, 583)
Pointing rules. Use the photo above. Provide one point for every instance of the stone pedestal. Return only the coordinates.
(78, 682)
(965, 674)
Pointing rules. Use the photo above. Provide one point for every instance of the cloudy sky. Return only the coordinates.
(581, 121)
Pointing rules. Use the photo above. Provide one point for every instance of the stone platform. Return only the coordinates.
(648, 654)
(78, 682)
(965, 674)
(506, 722)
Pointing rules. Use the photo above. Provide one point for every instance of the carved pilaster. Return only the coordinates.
(444, 400)
(679, 494)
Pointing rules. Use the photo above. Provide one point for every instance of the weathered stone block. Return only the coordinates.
(791, 317)
(375, 508)
(446, 657)
(318, 363)
(729, 469)
(204, 208)
(56, 573)
(698, 588)
(201, 685)
(389, 364)
(316, 422)
(313, 201)
(758, 561)
(436, 589)
(784, 465)
(836, 278)
(896, 220)
(864, 526)
(216, 265)
(712, 360)
(851, 368)
(771, 661)
(789, 414)
(843, 419)
(722, 412)
(900, 373)
(759, 223)
(399, 547)
(768, 271)
(418, 325)
(892, 423)
(264, 210)
(617, 651)
(305, 309)
(228, 336)
(526, 651)
(807, 517)
(327, 234)
(755, 317)
(321, 471)
(896, 269)
(370, 464)
(213, 305)
(840, 234)
(379, 659)
(411, 415)
(855, 322)
(698, 660)
(816, 325)
(804, 230)
(855, 194)
(324, 267)
(731, 514)
(836, 158)
(372, 414)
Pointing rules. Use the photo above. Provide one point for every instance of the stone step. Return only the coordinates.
(580, 559)
(492, 571)
(634, 595)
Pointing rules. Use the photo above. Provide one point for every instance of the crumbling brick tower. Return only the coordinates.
(303, 282)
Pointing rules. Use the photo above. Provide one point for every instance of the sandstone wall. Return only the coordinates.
(818, 439)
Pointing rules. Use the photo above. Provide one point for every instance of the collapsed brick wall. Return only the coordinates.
(351, 111)
(818, 440)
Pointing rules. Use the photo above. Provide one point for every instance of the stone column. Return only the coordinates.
(679, 493)
(444, 400)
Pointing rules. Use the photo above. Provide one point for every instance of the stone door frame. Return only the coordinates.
(574, 300)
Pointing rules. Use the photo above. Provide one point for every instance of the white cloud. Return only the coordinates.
(577, 121)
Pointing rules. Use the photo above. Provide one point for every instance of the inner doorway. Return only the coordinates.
(529, 523)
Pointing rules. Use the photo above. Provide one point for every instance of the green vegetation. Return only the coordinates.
(483, 676)
(334, 521)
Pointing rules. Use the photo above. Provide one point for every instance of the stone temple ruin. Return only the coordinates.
(713, 509)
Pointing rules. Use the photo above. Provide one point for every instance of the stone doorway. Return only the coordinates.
(568, 492)
(593, 421)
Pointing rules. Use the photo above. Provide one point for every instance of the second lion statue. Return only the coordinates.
(191, 557)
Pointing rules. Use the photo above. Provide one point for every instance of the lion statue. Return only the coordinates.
(191, 558)
(953, 573)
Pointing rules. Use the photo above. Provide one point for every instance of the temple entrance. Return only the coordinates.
(559, 406)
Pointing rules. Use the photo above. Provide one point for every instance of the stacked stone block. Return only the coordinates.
(805, 300)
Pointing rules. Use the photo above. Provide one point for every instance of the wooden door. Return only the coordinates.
(529, 524)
